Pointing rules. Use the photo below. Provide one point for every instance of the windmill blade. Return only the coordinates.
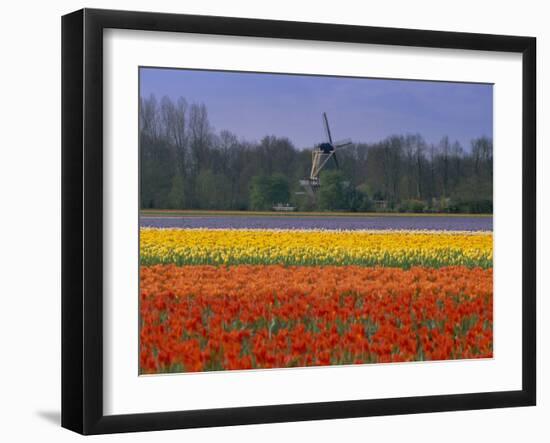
(342, 143)
(327, 129)
(335, 160)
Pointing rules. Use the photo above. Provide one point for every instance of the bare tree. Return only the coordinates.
(148, 117)
(199, 132)
(445, 148)
(174, 116)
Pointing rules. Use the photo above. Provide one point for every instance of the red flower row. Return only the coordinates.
(200, 318)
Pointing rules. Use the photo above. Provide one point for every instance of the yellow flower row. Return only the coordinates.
(315, 247)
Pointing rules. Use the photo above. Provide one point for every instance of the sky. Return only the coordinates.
(253, 105)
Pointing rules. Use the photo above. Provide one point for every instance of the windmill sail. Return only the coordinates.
(327, 128)
(342, 143)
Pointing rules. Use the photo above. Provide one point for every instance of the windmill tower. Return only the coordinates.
(320, 156)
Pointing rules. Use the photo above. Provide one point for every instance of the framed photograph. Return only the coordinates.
(269, 221)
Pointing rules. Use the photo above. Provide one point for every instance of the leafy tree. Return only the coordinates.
(267, 191)
(332, 193)
(259, 191)
(279, 191)
(176, 197)
(211, 190)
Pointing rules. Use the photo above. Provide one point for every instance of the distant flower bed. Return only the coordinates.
(333, 220)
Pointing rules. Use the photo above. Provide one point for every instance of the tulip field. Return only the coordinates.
(245, 298)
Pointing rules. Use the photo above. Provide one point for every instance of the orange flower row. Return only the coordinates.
(200, 318)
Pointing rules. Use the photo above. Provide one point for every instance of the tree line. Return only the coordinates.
(186, 164)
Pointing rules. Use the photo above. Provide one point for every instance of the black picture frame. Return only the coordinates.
(82, 215)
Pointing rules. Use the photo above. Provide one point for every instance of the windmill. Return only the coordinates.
(320, 156)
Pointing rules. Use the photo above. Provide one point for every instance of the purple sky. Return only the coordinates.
(253, 105)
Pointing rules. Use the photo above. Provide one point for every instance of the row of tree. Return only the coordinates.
(185, 164)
